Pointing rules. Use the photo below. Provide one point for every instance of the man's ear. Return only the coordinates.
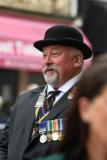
(84, 109)
(78, 60)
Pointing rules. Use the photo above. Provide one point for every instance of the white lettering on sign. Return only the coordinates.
(6, 47)
(18, 48)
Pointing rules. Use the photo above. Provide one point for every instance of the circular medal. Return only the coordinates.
(49, 136)
(43, 138)
(55, 136)
(61, 137)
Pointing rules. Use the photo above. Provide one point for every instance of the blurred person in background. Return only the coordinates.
(32, 86)
(79, 23)
(29, 87)
(3, 117)
(86, 128)
(36, 125)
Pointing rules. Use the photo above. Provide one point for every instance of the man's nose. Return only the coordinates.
(48, 59)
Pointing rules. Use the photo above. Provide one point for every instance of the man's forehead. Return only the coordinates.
(57, 47)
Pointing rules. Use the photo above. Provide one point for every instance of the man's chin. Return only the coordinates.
(51, 79)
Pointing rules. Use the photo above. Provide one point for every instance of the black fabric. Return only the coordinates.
(64, 35)
(65, 31)
(95, 26)
(35, 149)
(16, 137)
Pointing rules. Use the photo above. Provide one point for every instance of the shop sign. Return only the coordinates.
(20, 55)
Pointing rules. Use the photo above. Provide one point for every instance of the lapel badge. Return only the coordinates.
(34, 131)
(72, 93)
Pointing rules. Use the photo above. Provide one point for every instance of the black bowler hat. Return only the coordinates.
(64, 35)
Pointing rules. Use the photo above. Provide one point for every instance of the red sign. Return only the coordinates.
(17, 36)
(19, 55)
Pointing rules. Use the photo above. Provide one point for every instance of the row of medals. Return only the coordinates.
(51, 130)
(55, 136)
(48, 135)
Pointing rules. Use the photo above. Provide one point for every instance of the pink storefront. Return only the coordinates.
(17, 35)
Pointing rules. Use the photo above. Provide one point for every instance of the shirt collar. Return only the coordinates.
(69, 84)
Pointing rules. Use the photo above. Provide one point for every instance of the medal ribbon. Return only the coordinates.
(52, 125)
(43, 105)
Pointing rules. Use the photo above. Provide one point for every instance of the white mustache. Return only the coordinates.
(49, 68)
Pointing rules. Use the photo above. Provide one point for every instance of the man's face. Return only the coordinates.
(58, 64)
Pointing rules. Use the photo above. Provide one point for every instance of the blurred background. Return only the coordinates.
(24, 21)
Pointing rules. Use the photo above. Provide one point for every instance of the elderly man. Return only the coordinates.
(37, 120)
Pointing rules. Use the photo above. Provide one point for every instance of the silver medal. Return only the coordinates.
(43, 138)
(55, 136)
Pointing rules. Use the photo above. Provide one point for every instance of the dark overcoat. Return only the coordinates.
(15, 141)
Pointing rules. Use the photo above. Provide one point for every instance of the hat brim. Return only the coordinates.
(87, 52)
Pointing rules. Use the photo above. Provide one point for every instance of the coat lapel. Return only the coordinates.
(29, 116)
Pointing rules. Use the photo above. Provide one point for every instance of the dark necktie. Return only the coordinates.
(51, 98)
(48, 104)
